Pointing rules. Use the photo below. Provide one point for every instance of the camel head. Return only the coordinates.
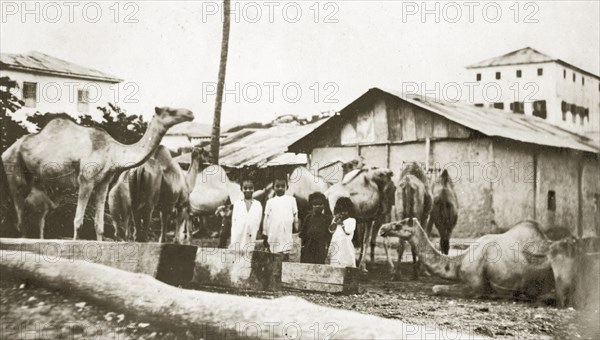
(404, 229)
(168, 116)
(200, 156)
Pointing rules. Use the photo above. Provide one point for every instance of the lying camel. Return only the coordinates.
(508, 263)
(87, 158)
(444, 213)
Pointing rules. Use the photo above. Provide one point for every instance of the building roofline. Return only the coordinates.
(59, 73)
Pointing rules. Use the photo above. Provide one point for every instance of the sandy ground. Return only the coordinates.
(28, 312)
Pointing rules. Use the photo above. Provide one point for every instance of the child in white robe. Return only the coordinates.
(245, 219)
(281, 220)
(341, 250)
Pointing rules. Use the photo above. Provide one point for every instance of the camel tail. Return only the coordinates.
(445, 178)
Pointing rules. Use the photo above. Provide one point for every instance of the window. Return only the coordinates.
(518, 73)
(478, 76)
(29, 94)
(539, 109)
(573, 112)
(479, 105)
(564, 107)
(498, 76)
(582, 80)
(565, 74)
(499, 106)
(540, 71)
(551, 200)
(82, 101)
(517, 107)
(574, 76)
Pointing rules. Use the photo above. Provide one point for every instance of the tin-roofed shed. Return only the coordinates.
(506, 167)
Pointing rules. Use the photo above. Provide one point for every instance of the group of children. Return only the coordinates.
(326, 237)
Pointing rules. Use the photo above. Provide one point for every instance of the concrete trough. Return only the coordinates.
(320, 278)
(169, 263)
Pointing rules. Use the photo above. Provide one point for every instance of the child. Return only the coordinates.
(281, 219)
(245, 219)
(341, 251)
(314, 232)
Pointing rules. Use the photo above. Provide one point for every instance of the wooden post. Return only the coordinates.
(580, 197)
(427, 150)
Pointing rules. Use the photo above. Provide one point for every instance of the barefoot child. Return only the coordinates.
(341, 249)
(245, 219)
(314, 232)
(281, 219)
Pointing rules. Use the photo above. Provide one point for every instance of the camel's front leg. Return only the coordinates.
(388, 257)
(397, 273)
(85, 191)
(100, 194)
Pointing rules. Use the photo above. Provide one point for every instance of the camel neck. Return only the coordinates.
(444, 266)
(133, 155)
(195, 168)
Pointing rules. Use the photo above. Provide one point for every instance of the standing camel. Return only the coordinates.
(160, 184)
(366, 190)
(444, 213)
(416, 201)
(87, 157)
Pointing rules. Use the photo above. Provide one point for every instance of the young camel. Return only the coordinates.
(503, 264)
(86, 158)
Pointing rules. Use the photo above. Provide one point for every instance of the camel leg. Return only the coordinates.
(416, 263)
(456, 290)
(445, 242)
(85, 191)
(429, 227)
(373, 243)
(397, 273)
(388, 257)
(142, 234)
(42, 223)
(100, 202)
(362, 263)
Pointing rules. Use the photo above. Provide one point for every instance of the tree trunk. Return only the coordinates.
(216, 128)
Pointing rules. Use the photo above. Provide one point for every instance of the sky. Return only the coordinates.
(301, 57)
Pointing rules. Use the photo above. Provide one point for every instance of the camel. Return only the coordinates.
(444, 213)
(174, 196)
(415, 199)
(160, 184)
(87, 155)
(498, 264)
(366, 189)
(576, 268)
(210, 187)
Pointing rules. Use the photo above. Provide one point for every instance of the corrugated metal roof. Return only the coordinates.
(526, 55)
(261, 147)
(39, 62)
(494, 122)
(488, 121)
(190, 129)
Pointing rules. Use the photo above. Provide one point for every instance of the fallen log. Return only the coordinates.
(217, 316)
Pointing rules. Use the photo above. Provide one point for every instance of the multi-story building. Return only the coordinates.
(529, 82)
(49, 84)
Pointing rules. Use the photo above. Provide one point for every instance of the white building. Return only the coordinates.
(529, 82)
(49, 84)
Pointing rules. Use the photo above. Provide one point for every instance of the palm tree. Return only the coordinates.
(216, 128)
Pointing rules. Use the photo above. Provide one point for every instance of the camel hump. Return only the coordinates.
(352, 175)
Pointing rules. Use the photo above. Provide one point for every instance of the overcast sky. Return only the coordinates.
(170, 49)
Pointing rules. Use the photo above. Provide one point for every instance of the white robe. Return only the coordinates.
(341, 250)
(244, 225)
(280, 214)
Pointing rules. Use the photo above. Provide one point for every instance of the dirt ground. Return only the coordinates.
(27, 311)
